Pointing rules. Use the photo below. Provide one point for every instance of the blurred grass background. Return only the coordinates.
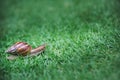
(82, 36)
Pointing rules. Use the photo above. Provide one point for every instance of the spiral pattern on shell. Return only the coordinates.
(19, 48)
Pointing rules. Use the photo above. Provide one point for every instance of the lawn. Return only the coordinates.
(82, 37)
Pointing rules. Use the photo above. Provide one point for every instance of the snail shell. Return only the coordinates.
(19, 48)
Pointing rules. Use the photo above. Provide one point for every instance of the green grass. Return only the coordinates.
(82, 36)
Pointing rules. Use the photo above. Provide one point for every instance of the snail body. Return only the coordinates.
(23, 49)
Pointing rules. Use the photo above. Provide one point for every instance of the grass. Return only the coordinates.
(82, 36)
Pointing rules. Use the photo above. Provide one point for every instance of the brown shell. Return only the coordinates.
(19, 48)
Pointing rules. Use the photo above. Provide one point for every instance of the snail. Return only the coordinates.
(23, 49)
